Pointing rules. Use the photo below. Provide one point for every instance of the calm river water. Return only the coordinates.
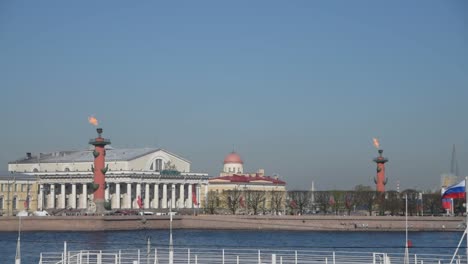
(35, 242)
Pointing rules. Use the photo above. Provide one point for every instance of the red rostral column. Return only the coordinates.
(380, 180)
(99, 169)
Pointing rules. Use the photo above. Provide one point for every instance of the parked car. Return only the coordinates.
(146, 213)
(22, 213)
(41, 213)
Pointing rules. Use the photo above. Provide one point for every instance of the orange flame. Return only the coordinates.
(376, 142)
(93, 121)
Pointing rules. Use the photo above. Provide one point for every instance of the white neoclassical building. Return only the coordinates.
(146, 178)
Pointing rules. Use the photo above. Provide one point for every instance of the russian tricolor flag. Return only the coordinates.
(455, 191)
(447, 203)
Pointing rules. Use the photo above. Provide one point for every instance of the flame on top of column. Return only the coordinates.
(93, 121)
(376, 143)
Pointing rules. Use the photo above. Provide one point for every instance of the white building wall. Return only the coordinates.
(144, 162)
(233, 168)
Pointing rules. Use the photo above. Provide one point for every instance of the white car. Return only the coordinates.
(146, 213)
(22, 213)
(41, 213)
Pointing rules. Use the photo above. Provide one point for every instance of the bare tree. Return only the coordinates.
(277, 201)
(392, 202)
(301, 200)
(322, 198)
(254, 200)
(350, 201)
(432, 202)
(337, 201)
(365, 197)
(233, 199)
(412, 196)
(213, 201)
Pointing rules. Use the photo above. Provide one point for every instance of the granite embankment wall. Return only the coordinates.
(312, 223)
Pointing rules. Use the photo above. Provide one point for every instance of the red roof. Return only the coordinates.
(233, 157)
(248, 179)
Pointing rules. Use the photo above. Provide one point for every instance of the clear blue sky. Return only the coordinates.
(298, 88)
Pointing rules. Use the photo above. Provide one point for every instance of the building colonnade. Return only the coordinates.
(121, 195)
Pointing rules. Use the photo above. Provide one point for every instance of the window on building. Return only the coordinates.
(15, 188)
(1, 203)
(22, 187)
(67, 169)
(1, 188)
(35, 170)
(14, 203)
(158, 164)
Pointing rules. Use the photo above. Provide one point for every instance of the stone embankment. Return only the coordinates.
(229, 222)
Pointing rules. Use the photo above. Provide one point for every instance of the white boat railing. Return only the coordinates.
(236, 256)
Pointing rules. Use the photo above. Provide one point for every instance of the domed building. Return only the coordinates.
(233, 179)
(233, 164)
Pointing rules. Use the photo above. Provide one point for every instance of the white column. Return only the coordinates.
(156, 196)
(189, 198)
(197, 194)
(173, 196)
(137, 195)
(117, 196)
(205, 196)
(129, 195)
(40, 198)
(62, 196)
(52, 196)
(147, 196)
(72, 200)
(181, 196)
(84, 196)
(164, 198)
(106, 192)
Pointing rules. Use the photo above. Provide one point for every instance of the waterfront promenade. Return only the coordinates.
(230, 222)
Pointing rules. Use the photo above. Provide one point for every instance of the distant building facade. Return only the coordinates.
(17, 193)
(146, 178)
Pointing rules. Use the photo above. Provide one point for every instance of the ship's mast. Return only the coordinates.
(171, 246)
(18, 245)
(406, 230)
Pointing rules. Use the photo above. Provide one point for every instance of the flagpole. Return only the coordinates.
(406, 230)
(451, 205)
(465, 233)
(18, 245)
(466, 214)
